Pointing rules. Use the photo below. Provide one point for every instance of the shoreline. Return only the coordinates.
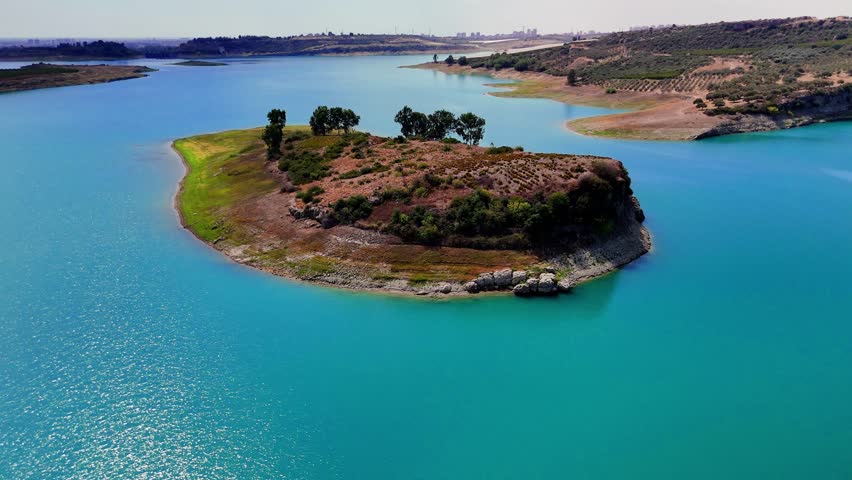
(650, 116)
(597, 260)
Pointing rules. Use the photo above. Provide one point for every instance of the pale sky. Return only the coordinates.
(189, 18)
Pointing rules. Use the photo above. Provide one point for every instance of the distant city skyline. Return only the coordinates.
(191, 18)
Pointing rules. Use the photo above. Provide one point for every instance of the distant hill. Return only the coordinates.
(79, 50)
(352, 44)
(316, 45)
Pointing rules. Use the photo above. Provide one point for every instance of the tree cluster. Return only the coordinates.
(334, 119)
(438, 125)
(484, 220)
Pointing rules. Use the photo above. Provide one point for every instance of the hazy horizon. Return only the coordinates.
(169, 19)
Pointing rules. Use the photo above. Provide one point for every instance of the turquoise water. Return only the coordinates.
(127, 349)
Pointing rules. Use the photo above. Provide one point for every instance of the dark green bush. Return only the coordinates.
(310, 195)
(303, 167)
(499, 150)
(349, 210)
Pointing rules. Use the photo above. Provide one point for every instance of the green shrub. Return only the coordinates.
(296, 136)
(374, 168)
(349, 210)
(499, 150)
(303, 167)
(310, 195)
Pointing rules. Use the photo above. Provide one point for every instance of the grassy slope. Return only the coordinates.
(217, 178)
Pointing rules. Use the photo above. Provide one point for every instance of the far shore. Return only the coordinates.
(650, 116)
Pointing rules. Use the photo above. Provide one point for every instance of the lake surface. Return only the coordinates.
(130, 350)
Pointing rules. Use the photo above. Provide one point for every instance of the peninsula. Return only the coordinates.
(689, 82)
(422, 213)
(45, 75)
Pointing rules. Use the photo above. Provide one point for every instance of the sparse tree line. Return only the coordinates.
(325, 120)
(440, 124)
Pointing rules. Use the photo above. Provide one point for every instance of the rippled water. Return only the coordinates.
(127, 349)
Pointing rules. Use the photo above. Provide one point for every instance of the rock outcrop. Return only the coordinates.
(519, 282)
(321, 214)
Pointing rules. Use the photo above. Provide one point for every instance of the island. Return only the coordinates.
(199, 63)
(422, 213)
(45, 75)
(688, 82)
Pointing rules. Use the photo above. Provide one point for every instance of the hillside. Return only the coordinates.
(415, 216)
(751, 75)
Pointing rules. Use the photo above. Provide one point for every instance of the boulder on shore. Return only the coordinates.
(503, 278)
(521, 289)
(519, 276)
(485, 281)
(546, 283)
(564, 285)
(532, 284)
(471, 287)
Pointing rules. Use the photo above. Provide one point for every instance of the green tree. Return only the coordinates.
(470, 128)
(462, 61)
(277, 117)
(335, 118)
(420, 124)
(435, 58)
(349, 120)
(405, 121)
(440, 124)
(572, 77)
(450, 60)
(273, 134)
(272, 137)
(319, 121)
